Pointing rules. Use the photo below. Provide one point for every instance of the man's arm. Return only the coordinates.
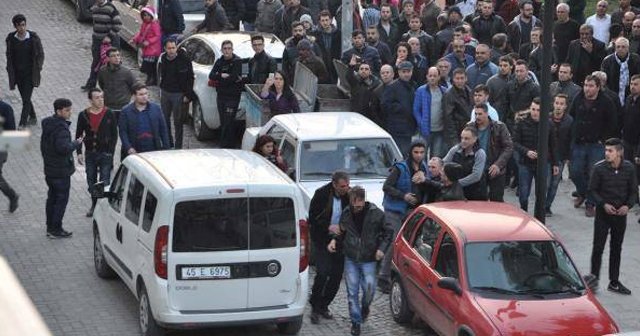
(389, 186)
(476, 171)
(594, 186)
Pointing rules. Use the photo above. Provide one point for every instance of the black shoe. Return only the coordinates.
(22, 126)
(87, 87)
(90, 212)
(365, 313)
(548, 213)
(13, 204)
(327, 315)
(574, 194)
(32, 121)
(355, 329)
(60, 234)
(617, 287)
(315, 318)
(384, 286)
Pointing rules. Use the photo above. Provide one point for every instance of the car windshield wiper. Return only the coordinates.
(509, 291)
(566, 289)
(366, 173)
(317, 173)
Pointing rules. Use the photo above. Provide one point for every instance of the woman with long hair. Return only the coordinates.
(279, 94)
(266, 146)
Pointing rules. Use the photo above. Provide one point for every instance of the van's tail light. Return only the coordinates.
(160, 251)
(304, 245)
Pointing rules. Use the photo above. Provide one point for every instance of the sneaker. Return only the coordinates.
(355, 329)
(13, 204)
(87, 87)
(574, 193)
(578, 201)
(90, 212)
(60, 234)
(590, 211)
(327, 315)
(315, 318)
(365, 313)
(548, 213)
(32, 121)
(617, 287)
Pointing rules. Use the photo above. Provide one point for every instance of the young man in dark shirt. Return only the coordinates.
(613, 186)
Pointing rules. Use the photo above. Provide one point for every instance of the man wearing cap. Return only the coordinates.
(397, 106)
(361, 52)
(402, 21)
(290, 55)
(445, 35)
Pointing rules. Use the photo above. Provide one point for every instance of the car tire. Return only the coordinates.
(200, 128)
(290, 328)
(148, 325)
(100, 263)
(398, 303)
(82, 12)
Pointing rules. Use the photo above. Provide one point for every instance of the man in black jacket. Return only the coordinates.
(175, 72)
(171, 18)
(560, 130)
(362, 84)
(397, 104)
(365, 237)
(57, 153)
(329, 41)
(326, 206)
(98, 126)
(235, 10)
(585, 54)
(593, 123)
(226, 74)
(620, 67)
(613, 186)
(7, 123)
(215, 18)
(25, 57)
(487, 24)
(261, 64)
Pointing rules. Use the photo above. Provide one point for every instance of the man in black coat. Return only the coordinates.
(329, 41)
(362, 84)
(57, 153)
(585, 54)
(261, 64)
(171, 18)
(397, 107)
(227, 76)
(326, 206)
(25, 57)
(7, 123)
(618, 77)
(235, 10)
(487, 24)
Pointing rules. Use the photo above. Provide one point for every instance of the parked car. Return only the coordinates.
(315, 144)
(83, 13)
(193, 12)
(203, 50)
(205, 249)
(478, 268)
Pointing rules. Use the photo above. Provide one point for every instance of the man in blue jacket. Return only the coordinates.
(57, 153)
(142, 126)
(428, 112)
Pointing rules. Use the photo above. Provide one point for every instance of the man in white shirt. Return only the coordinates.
(600, 21)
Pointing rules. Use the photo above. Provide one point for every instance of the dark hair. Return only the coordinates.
(261, 141)
(339, 175)
(357, 32)
(415, 16)
(286, 89)
(18, 18)
(536, 101)
(499, 40)
(417, 143)
(458, 71)
(634, 77)
(137, 86)
(567, 65)
(525, 2)
(615, 30)
(373, 27)
(460, 29)
(295, 24)
(403, 44)
(473, 130)
(481, 88)
(61, 103)
(112, 50)
(257, 37)
(91, 91)
(385, 4)
(170, 40)
(593, 78)
(482, 106)
(522, 62)
(357, 192)
(324, 12)
(225, 42)
(615, 142)
(565, 96)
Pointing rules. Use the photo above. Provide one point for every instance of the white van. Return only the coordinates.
(205, 238)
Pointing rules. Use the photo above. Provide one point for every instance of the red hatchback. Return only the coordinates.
(481, 269)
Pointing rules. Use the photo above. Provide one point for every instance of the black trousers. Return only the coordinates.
(329, 268)
(496, 188)
(5, 188)
(95, 58)
(227, 109)
(57, 199)
(25, 87)
(603, 225)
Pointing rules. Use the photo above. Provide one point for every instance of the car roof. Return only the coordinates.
(211, 167)
(330, 125)
(489, 221)
(242, 42)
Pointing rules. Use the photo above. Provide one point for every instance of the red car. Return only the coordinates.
(481, 269)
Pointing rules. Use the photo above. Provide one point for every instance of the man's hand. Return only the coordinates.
(533, 155)
(494, 170)
(332, 246)
(609, 209)
(379, 255)
(411, 198)
(335, 228)
(554, 68)
(354, 60)
(587, 45)
(131, 150)
(224, 75)
(81, 159)
(418, 177)
(186, 100)
(622, 211)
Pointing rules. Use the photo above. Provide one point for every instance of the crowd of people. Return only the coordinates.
(456, 87)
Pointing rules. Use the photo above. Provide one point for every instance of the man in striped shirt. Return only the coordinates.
(106, 23)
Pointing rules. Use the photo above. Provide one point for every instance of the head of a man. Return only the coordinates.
(458, 47)
(414, 23)
(591, 87)
(325, 20)
(627, 19)
(459, 78)
(536, 35)
(444, 66)
(601, 8)
(415, 45)
(565, 73)
(227, 49)
(562, 12)
(418, 151)
(62, 108)
(526, 9)
(96, 98)
(357, 199)
(304, 50)
(385, 12)
(171, 48)
(364, 70)
(504, 65)
(481, 111)
(486, 8)
(340, 182)
(468, 138)
(480, 94)
(433, 77)
(622, 48)
(483, 53)
(634, 85)
(522, 71)
(373, 35)
(297, 30)
(386, 74)
(560, 104)
(405, 70)
(435, 165)
(140, 94)
(586, 33)
(407, 8)
(534, 109)
(357, 39)
(257, 43)
(613, 150)
(19, 23)
(114, 57)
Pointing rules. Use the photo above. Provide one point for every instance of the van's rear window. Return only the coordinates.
(234, 224)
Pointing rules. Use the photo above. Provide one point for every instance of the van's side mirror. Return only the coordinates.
(450, 284)
(98, 191)
(291, 172)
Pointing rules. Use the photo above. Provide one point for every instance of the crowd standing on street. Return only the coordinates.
(457, 88)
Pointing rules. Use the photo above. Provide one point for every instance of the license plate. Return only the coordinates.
(206, 272)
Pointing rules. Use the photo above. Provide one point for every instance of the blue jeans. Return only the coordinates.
(526, 174)
(583, 157)
(553, 186)
(359, 275)
(57, 199)
(435, 142)
(98, 162)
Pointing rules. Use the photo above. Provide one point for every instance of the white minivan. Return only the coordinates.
(205, 237)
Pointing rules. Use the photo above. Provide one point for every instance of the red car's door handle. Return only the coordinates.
(429, 285)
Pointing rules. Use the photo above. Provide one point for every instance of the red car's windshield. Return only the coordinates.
(535, 267)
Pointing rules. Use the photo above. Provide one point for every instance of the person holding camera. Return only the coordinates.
(266, 147)
(279, 94)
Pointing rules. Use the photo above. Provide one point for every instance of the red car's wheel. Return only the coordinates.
(398, 303)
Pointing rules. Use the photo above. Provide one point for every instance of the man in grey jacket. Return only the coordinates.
(266, 19)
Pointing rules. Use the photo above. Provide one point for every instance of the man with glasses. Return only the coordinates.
(600, 21)
(261, 64)
(25, 57)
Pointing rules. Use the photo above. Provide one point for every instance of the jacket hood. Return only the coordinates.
(53, 122)
(149, 10)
